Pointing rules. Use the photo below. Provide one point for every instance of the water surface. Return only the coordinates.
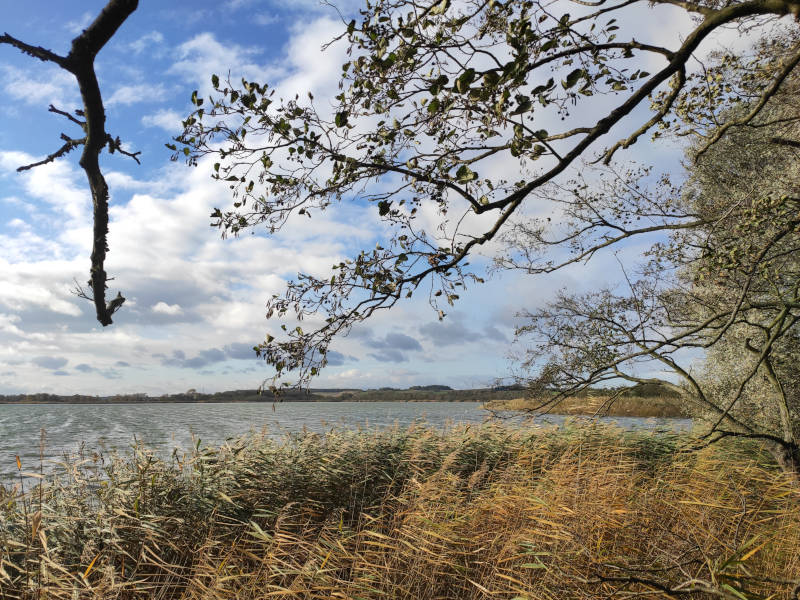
(103, 427)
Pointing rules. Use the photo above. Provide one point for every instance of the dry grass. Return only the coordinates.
(622, 406)
(473, 513)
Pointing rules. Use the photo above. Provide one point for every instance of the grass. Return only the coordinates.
(622, 406)
(481, 512)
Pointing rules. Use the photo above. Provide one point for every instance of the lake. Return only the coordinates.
(102, 427)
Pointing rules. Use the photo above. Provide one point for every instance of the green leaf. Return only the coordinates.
(465, 174)
(573, 78)
(440, 8)
(383, 207)
(549, 45)
(464, 81)
(341, 118)
(734, 591)
(433, 106)
(215, 81)
(523, 107)
(542, 88)
(491, 79)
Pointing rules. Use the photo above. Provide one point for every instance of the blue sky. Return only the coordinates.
(196, 302)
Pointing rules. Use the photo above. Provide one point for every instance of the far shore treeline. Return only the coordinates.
(427, 393)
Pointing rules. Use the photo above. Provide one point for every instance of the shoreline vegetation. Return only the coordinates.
(600, 404)
(470, 513)
(655, 402)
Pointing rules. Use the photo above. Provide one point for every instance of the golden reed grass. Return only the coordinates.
(622, 406)
(489, 512)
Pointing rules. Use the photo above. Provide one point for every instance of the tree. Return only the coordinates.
(91, 119)
(723, 290)
(434, 96)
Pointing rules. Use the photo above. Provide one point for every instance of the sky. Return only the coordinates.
(195, 302)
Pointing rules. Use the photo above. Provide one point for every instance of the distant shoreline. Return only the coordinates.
(263, 401)
(655, 403)
(432, 393)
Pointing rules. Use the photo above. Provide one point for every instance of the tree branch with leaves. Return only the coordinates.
(433, 97)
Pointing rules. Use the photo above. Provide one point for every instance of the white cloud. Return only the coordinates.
(203, 55)
(149, 40)
(38, 285)
(265, 19)
(122, 181)
(309, 68)
(167, 309)
(137, 93)
(77, 26)
(45, 84)
(168, 120)
(8, 324)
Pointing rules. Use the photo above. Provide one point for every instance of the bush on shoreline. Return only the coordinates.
(474, 512)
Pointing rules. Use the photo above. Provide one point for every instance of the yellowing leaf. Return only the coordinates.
(89, 568)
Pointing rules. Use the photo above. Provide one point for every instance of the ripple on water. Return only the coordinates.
(105, 427)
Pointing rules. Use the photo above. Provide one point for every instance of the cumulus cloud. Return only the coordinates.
(392, 347)
(453, 331)
(203, 55)
(337, 359)
(135, 94)
(448, 333)
(47, 84)
(205, 358)
(49, 362)
(167, 309)
(399, 341)
(168, 120)
(240, 351)
(148, 40)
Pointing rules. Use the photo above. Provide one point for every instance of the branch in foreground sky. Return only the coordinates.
(80, 62)
(434, 96)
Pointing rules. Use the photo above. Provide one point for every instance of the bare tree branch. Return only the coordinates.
(80, 62)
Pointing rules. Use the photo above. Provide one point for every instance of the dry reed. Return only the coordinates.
(487, 512)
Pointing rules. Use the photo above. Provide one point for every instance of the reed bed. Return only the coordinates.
(481, 512)
(598, 404)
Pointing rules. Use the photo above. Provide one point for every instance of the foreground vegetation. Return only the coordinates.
(650, 401)
(486, 512)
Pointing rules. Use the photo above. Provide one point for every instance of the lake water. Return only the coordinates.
(102, 427)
